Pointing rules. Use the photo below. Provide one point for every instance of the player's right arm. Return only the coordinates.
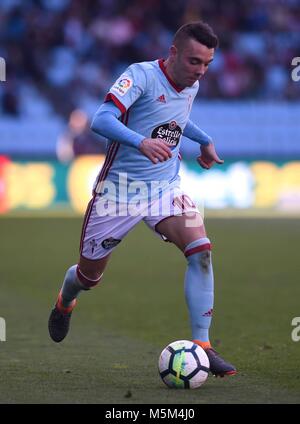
(106, 123)
(124, 92)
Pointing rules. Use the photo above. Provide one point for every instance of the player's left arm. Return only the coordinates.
(208, 156)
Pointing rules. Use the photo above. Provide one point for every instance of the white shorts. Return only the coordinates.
(102, 233)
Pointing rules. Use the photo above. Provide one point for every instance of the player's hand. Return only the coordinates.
(155, 149)
(208, 156)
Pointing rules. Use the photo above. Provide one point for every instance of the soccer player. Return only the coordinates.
(143, 117)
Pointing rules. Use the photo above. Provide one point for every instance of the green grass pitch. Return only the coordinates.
(118, 329)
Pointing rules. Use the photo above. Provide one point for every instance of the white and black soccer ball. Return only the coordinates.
(183, 365)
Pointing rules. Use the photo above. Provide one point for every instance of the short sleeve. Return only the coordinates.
(128, 87)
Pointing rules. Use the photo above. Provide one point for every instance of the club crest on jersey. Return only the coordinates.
(170, 132)
(110, 243)
(93, 244)
(122, 85)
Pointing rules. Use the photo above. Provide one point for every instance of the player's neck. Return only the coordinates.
(170, 71)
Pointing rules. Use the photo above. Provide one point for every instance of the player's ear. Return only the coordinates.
(173, 51)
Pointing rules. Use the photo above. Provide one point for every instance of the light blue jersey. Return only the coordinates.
(153, 106)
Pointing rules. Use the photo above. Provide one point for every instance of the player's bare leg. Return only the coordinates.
(182, 229)
(78, 278)
(93, 269)
(188, 233)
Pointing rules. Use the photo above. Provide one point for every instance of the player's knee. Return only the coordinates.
(88, 279)
(205, 260)
(199, 251)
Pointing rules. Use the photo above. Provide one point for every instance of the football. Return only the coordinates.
(183, 365)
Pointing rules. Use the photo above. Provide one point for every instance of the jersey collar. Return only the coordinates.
(163, 68)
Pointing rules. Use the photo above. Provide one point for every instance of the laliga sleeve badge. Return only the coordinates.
(122, 85)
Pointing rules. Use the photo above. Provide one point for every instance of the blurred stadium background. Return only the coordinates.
(63, 55)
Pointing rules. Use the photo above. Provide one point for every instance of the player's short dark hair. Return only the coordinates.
(199, 31)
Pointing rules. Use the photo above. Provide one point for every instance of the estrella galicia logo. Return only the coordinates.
(170, 132)
(110, 243)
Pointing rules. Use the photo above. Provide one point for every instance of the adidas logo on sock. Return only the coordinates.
(208, 313)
